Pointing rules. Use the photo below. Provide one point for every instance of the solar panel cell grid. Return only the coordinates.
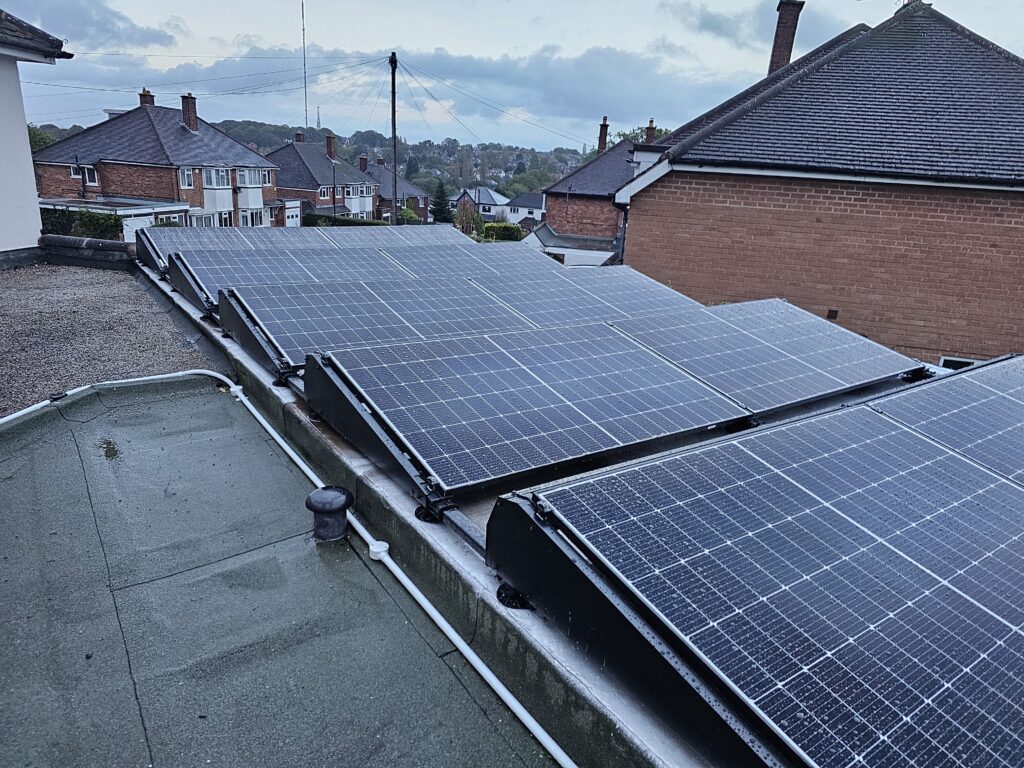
(444, 260)
(221, 270)
(857, 584)
(550, 301)
(348, 264)
(629, 291)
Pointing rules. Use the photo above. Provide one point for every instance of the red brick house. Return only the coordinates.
(409, 195)
(326, 183)
(878, 181)
(154, 164)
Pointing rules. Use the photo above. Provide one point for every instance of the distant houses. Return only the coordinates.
(409, 195)
(20, 223)
(527, 210)
(491, 205)
(158, 165)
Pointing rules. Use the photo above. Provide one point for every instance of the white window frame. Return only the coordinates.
(76, 171)
(348, 191)
(178, 218)
(225, 219)
(267, 177)
(325, 193)
(515, 210)
(201, 220)
(185, 180)
(529, 211)
(217, 178)
(251, 217)
(249, 177)
(91, 179)
(486, 209)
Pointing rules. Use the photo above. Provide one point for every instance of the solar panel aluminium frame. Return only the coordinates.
(188, 284)
(319, 369)
(240, 323)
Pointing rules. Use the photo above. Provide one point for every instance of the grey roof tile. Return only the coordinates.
(306, 166)
(919, 96)
(601, 177)
(528, 200)
(152, 136)
(15, 33)
(382, 175)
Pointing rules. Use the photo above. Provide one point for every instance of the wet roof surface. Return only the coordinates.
(164, 604)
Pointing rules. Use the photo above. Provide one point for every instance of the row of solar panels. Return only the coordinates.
(857, 578)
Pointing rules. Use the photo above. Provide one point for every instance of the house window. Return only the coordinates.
(419, 202)
(185, 178)
(339, 191)
(76, 172)
(216, 178)
(171, 218)
(267, 177)
(957, 363)
(515, 210)
(487, 209)
(325, 193)
(203, 220)
(224, 219)
(251, 218)
(529, 211)
(348, 191)
(248, 177)
(90, 176)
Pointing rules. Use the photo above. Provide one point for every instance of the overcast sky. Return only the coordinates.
(556, 66)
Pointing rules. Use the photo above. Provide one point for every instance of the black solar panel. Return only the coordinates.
(860, 587)
(306, 318)
(578, 391)
(824, 346)
(971, 414)
(550, 300)
(170, 240)
(347, 264)
(219, 270)
(444, 260)
(286, 237)
(468, 411)
(362, 237)
(629, 291)
(758, 375)
(420, 235)
(454, 307)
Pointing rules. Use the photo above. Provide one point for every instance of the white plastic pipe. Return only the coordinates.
(378, 551)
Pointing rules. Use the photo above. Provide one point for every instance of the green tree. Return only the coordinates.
(412, 168)
(439, 205)
(38, 138)
(638, 135)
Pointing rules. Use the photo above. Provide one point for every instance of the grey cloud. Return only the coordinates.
(751, 28)
(88, 22)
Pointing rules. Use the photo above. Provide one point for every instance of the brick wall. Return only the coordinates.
(927, 271)
(591, 216)
(56, 181)
(138, 181)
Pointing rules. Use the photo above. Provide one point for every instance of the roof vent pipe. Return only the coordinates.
(329, 506)
(785, 34)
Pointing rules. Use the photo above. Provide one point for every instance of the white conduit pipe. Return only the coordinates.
(378, 551)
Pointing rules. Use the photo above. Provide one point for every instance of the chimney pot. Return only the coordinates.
(602, 137)
(146, 99)
(189, 116)
(380, 161)
(363, 159)
(650, 133)
(299, 137)
(785, 34)
(330, 145)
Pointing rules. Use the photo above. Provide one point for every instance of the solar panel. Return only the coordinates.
(307, 318)
(825, 346)
(514, 257)
(969, 416)
(443, 233)
(857, 585)
(629, 291)
(438, 260)
(1007, 377)
(468, 411)
(341, 264)
(219, 270)
(758, 375)
(170, 240)
(287, 237)
(361, 237)
(440, 308)
(550, 300)
(477, 409)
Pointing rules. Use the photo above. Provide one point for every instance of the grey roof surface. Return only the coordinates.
(163, 604)
(549, 238)
(154, 136)
(382, 175)
(481, 195)
(15, 33)
(306, 166)
(527, 200)
(65, 327)
(919, 96)
(601, 177)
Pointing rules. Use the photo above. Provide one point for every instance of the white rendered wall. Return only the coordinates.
(19, 201)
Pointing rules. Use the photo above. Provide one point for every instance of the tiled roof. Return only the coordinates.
(481, 195)
(306, 166)
(15, 33)
(382, 175)
(919, 96)
(153, 136)
(528, 200)
(601, 177)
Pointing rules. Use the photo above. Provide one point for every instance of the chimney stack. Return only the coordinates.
(330, 145)
(146, 99)
(650, 133)
(785, 34)
(363, 159)
(299, 137)
(602, 137)
(380, 161)
(189, 116)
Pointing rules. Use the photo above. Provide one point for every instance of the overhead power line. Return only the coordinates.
(442, 105)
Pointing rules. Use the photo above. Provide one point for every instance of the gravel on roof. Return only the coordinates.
(65, 327)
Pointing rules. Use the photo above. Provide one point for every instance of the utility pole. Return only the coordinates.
(305, 91)
(393, 61)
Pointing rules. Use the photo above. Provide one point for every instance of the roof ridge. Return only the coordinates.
(970, 34)
(229, 136)
(87, 129)
(159, 138)
(592, 160)
(795, 77)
